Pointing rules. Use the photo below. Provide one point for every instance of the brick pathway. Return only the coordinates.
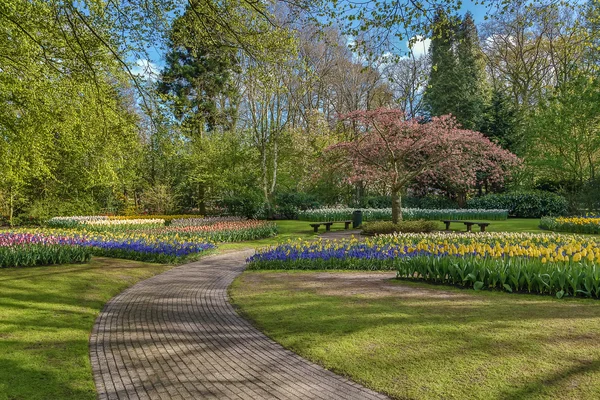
(175, 336)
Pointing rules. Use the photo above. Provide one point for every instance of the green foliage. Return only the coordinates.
(523, 204)
(500, 123)
(287, 205)
(67, 123)
(386, 227)
(564, 130)
(471, 75)
(249, 205)
(589, 196)
(43, 209)
(198, 73)
(442, 93)
(509, 274)
(457, 81)
(158, 199)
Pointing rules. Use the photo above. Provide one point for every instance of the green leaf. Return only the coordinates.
(507, 287)
(478, 285)
(560, 294)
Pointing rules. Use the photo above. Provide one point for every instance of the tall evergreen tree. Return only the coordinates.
(197, 76)
(499, 122)
(197, 79)
(441, 95)
(471, 77)
(457, 82)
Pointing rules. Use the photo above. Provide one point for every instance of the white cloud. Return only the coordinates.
(146, 69)
(350, 41)
(419, 46)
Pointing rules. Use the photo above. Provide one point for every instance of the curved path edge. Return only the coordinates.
(176, 336)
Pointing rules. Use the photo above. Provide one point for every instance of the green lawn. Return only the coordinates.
(46, 316)
(301, 230)
(287, 230)
(418, 341)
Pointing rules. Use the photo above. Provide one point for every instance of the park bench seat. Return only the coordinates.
(316, 225)
(468, 224)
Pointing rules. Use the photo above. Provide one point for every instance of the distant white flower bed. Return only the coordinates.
(384, 214)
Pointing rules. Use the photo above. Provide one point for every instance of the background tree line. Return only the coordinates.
(250, 94)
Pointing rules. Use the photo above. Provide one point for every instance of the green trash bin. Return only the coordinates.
(356, 219)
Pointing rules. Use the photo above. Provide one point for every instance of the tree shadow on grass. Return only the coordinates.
(564, 375)
(522, 339)
(43, 381)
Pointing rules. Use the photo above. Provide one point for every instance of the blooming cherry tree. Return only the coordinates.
(392, 151)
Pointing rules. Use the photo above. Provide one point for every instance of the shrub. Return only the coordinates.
(42, 210)
(386, 227)
(249, 205)
(589, 197)
(523, 204)
(287, 205)
(158, 199)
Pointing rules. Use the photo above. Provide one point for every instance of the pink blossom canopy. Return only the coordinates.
(391, 150)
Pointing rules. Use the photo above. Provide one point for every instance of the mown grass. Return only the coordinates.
(301, 230)
(46, 317)
(435, 342)
(287, 230)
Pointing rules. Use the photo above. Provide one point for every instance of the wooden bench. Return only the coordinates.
(316, 225)
(469, 224)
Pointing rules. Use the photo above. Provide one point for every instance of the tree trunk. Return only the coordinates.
(396, 206)
(202, 198)
(461, 198)
(12, 207)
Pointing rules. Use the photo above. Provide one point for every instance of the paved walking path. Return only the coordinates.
(175, 336)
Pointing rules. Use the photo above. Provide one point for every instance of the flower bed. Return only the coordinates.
(150, 241)
(149, 248)
(104, 223)
(571, 224)
(534, 263)
(233, 231)
(168, 218)
(385, 214)
(204, 221)
(73, 222)
(137, 239)
(18, 249)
